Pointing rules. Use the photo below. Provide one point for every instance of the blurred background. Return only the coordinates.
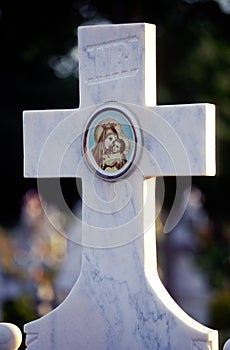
(39, 70)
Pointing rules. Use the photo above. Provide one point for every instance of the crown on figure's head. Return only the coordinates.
(104, 126)
(109, 125)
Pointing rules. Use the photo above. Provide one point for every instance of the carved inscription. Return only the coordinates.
(113, 59)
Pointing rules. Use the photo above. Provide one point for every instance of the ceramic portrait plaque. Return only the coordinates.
(110, 141)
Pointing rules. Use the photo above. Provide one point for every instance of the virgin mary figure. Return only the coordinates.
(106, 133)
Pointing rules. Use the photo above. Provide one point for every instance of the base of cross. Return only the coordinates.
(102, 313)
(119, 302)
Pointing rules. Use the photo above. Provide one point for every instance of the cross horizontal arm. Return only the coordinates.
(53, 142)
(177, 140)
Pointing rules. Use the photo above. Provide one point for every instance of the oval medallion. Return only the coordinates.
(110, 141)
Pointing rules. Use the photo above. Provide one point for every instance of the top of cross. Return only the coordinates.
(117, 65)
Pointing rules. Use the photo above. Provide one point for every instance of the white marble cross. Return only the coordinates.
(118, 141)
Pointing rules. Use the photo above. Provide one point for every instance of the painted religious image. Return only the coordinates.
(112, 146)
(110, 143)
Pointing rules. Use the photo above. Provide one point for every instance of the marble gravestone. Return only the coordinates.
(118, 141)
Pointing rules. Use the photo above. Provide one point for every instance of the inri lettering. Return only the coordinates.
(111, 60)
